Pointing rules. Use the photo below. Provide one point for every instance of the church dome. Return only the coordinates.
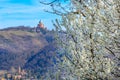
(41, 25)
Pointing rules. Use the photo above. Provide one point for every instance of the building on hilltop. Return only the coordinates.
(41, 25)
(40, 28)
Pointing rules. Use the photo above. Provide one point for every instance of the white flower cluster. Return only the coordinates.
(87, 35)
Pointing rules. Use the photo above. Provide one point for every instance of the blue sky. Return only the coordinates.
(24, 12)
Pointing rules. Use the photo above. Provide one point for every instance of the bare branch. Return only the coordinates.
(110, 51)
(48, 3)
